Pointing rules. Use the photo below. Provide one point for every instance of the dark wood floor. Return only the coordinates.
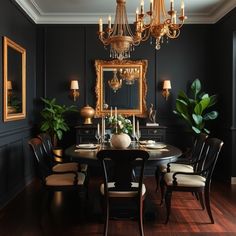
(29, 215)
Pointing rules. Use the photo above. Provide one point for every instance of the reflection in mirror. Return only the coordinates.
(121, 84)
(14, 81)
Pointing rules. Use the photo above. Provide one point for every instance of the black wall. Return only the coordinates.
(15, 160)
(72, 50)
(223, 80)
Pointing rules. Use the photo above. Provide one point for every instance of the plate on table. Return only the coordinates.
(146, 142)
(87, 146)
(155, 146)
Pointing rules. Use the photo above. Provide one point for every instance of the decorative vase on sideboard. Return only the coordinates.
(120, 141)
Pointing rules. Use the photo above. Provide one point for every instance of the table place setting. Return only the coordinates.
(87, 147)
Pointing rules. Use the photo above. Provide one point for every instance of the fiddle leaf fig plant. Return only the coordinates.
(195, 110)
(53, 119)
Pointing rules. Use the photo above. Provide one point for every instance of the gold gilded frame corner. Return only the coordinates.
(99, 65)
(20, 115)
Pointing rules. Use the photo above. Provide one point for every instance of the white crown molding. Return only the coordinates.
(39, 17)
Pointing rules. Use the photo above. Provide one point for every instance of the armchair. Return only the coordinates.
(199, 181)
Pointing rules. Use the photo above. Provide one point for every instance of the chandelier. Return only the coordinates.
(160, 23)
(119, 37)
(129, 75)
(115, 83)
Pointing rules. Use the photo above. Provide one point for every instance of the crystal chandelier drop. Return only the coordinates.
(160, 23)
(119, 37)
(129, 75)
(115, 83)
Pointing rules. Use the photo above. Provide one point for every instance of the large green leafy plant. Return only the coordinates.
(195, 110)
(53, 119)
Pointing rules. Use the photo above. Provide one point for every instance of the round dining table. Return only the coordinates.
(158, 156)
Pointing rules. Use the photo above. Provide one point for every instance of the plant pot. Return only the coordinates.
(120, 141)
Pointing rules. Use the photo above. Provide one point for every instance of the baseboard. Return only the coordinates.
(233, 180)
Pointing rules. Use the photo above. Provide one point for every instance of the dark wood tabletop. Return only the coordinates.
(157, 156)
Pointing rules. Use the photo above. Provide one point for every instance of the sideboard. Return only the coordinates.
(86, 133)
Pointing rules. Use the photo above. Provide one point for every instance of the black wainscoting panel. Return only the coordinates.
(16, 163)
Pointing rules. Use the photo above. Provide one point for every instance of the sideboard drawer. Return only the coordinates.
(87, 131)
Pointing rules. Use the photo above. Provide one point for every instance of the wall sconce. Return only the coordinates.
(74, 86)
(166, 88)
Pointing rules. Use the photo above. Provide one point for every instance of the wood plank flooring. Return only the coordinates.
(30, 215)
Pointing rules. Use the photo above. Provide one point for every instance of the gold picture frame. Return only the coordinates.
(101, 66)
(14, 81)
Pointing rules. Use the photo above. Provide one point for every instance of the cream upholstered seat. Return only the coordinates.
(64, 179)
(187, 164)
(65, 167)
(122, 193)
(185, 180)
(177, 167)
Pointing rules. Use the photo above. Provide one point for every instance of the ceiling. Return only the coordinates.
(89, 11)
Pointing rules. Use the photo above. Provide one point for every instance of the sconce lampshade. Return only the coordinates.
(166, 84)
(9, 85)
(74, 84)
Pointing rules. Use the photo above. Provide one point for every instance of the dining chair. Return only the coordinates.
(198, 181)
(56, 181)
(187, 163)
(58, 162)
(118, 181)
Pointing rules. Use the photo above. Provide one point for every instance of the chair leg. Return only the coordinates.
(106, 211)
(140, 220)
(207, 202)
(157, 176)
(168, 196)
(162, 186)
(201, 200)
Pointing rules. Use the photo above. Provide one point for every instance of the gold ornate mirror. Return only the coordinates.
(14, 85)
(121, 84)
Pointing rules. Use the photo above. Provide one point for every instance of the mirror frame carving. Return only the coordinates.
(20, 115)
(142, 64)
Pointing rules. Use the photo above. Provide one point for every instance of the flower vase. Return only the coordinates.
(120, 141)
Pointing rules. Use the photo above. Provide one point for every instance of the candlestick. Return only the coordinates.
(98, 129)
(137, 126)
(103, 129)
(133, 130)
(111, 112)
(116, 117)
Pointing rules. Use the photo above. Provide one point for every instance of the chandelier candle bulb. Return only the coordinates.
(109, 22)
(137, 13)
(100, 25)
(171, 5)
(142, 6)
(182, 8)
(151, 5)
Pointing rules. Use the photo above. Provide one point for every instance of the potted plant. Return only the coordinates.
(53, 119)
(195, 110)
